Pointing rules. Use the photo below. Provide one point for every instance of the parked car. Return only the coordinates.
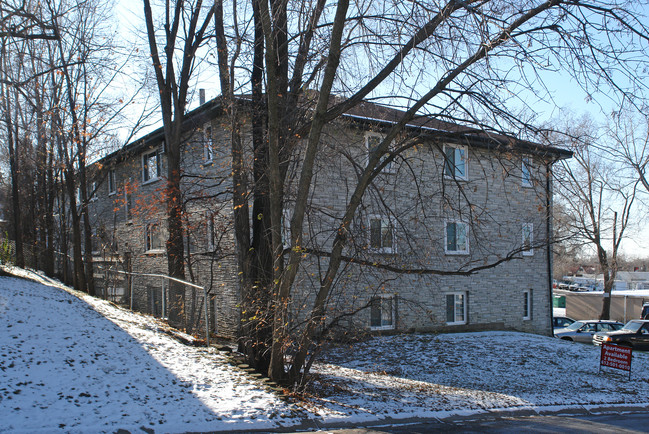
(583, 331)
(634, 334)
(560, 322)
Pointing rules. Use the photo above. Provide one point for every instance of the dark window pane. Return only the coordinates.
(375, 233)
(451, 243)
(450, 308)
(375, 312)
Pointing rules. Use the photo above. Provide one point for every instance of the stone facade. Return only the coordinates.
(445, 213)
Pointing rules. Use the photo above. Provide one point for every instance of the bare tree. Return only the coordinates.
(182, 31)
(21, 19)
(61, 87)
(597, 199)
(466, 62)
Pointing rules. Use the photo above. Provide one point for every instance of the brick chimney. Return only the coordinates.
(201, 96)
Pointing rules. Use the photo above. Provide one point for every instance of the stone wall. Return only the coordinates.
(414, 195)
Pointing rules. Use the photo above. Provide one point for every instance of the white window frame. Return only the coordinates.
(458, 251)
(527, 239)
(208, 146)
(390, 168)
(465, 307)
(386, 221)
(112, 182)
(148, 238)
(146, 175)
(526, 172)
(393, 311)
(527, 304)
(460, 152)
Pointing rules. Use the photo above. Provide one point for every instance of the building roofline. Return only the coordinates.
(447, 131)
(428, 127)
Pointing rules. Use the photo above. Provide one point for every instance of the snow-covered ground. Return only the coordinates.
(409, 376)
(83, 365)
(74, 363)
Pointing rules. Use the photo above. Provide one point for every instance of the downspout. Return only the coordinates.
(548, 207)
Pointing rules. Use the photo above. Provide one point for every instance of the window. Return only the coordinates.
(456, 238)
(528, 239)
(151, 167)
(527, 304)
(93, 192)
(455, 162)
(372, 141)
(154, 238)
(208, 145)
(382, 312)
(526, 172)
(112, 185)
(456, 308)
(381, 234)
(95, 242)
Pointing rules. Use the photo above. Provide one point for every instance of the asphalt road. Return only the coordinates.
(606, 423)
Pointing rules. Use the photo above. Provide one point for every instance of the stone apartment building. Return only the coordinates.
(452, 235)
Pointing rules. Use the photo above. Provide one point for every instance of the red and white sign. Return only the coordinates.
(616, 357)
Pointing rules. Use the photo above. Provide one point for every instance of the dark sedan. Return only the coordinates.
(634, 334)
(559, 322)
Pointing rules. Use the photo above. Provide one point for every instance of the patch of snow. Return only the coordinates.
(426, 375)
(84, 365)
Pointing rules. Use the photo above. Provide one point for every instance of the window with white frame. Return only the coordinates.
(527, 304)
(372, 141)
(93, 191)
(528, 239)
(526, 172)
(151, 166)
(112, 184)
(381, 234)
(455, 161)
(382, 312)
(456, 308)
(208, 145)
(456, 239)
(155, 241)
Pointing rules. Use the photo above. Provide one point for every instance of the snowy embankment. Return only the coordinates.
(74, 363)
(410, 376)
(83, 365)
